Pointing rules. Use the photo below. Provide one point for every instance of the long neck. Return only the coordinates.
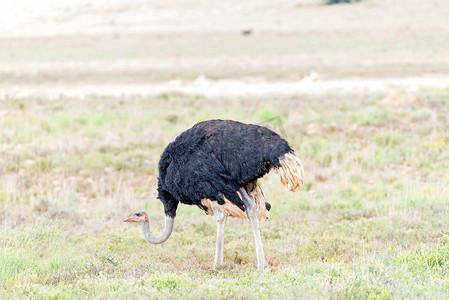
(148, 235)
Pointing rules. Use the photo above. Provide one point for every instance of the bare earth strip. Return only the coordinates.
(51, 17)
(209, 88)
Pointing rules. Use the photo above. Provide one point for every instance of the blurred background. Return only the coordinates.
(220, 47)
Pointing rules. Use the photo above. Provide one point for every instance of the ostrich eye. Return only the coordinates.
(138, 214)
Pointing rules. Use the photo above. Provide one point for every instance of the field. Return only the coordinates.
(371, 222)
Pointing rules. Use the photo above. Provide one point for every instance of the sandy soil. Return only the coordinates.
(240, 88)
(53, 17)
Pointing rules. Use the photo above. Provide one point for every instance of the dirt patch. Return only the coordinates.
(400, 97)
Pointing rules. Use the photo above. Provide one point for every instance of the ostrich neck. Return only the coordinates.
(148, 235)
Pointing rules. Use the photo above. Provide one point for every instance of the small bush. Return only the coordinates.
(329, 2)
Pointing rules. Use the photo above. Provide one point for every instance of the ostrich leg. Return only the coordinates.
(251, 212)
(221, 217)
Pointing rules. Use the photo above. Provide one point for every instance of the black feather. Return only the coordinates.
(213, 159)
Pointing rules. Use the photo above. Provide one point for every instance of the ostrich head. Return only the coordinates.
(141, 216)
(137, 216)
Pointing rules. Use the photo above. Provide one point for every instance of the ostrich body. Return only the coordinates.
(215, 165)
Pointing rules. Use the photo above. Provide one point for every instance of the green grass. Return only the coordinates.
(371, 221)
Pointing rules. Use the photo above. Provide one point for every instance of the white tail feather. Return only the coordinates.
(291, 171)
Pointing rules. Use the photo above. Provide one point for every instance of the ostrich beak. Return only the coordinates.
(130, 219)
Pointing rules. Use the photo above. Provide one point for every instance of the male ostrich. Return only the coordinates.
(215, 165)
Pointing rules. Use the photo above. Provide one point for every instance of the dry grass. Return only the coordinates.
(376, 186)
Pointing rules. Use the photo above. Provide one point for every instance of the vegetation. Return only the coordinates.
(328, 2)
(370, 223)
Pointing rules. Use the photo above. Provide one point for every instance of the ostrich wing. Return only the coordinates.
(195, 173)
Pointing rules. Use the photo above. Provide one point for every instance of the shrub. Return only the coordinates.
(329, 2)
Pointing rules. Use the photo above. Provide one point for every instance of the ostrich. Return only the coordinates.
(215, 165)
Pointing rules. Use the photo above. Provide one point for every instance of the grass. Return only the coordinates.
(371, 221)
(148, 57)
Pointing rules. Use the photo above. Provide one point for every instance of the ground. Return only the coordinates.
(91, 92)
